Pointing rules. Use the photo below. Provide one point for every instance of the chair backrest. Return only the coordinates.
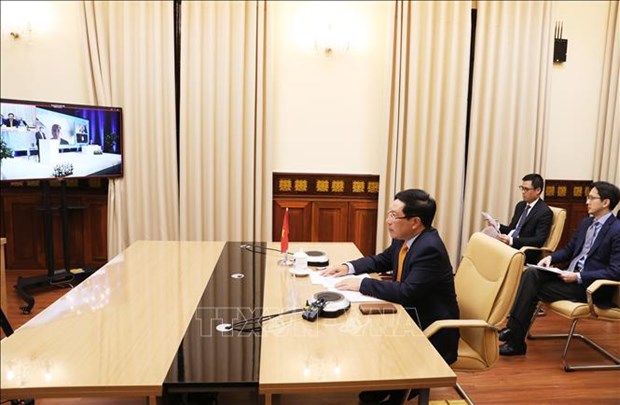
(486, 284)
(559, 217)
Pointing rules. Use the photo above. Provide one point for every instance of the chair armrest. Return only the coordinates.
(595, 286)
(543, 249)
(456, 323)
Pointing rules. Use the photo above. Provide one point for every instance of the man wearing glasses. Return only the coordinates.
(422, 280)
(532, 219)
(592, 254)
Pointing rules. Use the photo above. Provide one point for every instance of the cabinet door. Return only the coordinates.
(363, 225)
(329, 221)
(23, 220)
(299, 219)
(23, 224)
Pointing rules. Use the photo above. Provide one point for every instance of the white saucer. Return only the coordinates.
(299, 273)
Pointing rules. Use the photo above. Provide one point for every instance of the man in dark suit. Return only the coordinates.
(40, 134)
(12, 122)
(593, 253)
(532, 219)
(422, 280)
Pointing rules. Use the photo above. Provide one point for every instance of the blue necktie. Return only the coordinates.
(577, 263)
(515, 234)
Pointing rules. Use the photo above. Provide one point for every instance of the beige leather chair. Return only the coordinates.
(486, 284)
(574, 311)
(557, 226)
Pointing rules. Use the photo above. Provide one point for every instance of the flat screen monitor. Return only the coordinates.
(43, 140)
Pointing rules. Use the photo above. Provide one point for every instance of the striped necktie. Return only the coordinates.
(401, 260)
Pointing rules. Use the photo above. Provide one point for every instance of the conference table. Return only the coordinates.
(148, 324)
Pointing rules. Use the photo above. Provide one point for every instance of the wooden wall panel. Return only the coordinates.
(299, 219)
(329, 222)
(23, 224)
(363, 225)
(327, 208)
(570, 195)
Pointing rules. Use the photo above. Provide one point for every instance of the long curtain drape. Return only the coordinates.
(426, 144)
(509, 111)
(130, 47)
(607, 150)
(218, 119)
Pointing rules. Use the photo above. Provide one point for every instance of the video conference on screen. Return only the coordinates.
(39, 137)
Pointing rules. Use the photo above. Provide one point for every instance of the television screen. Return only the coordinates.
(42, 140)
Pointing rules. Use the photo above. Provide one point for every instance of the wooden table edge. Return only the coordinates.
(76, 392)
(296, 388)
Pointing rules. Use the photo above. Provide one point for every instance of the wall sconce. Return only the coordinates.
(20, 33)
(330, 41)
(19, 18)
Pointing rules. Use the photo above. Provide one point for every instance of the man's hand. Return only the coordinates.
(338, 271)
(545, 261)
(504, 238)
(568, 276)
(351, 284)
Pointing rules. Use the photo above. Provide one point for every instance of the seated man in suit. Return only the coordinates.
(422, 280)
(532, 219)
(12, 122)
(593, 253)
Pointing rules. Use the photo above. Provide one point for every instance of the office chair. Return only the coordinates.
(574, 311)
(555, 234)
(486, 283)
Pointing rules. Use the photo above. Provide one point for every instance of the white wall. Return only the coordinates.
(331, 113)
(575, 90)
(46, 64)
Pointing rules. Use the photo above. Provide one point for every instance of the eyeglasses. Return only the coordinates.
(592, 197)
(392, 216)
(526, 188)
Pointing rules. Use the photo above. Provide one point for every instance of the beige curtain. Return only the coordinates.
(219, 120)
(607, 150)
(130, 47)
(426, 145)
(509, 112)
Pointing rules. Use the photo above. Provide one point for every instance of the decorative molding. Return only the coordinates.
(567, 190)
(308, 185)
(92, 183)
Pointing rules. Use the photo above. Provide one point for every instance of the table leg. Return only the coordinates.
(151, 400)
(424, 396)
(267, 399)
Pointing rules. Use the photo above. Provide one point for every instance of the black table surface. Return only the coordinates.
(208, 359)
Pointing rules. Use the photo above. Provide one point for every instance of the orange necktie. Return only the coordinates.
(401, 260)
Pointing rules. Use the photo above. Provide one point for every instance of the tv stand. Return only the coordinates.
(62, 278)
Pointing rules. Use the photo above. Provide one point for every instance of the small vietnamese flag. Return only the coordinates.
(284, 236)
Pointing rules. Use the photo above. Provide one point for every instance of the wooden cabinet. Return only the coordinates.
(570, 195)
(23, 224)
(327, 208)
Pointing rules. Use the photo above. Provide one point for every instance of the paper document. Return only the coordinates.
(329, 282)
(550, 269)
(492, 221)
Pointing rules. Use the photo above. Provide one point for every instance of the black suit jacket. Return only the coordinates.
(426, 289)
(603, 261)
(534, 231)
